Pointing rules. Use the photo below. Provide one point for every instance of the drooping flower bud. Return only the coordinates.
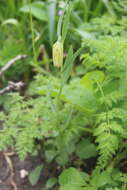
(57, 53)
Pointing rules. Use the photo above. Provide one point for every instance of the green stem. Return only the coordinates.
(87, 130)
(106, 107)
(69, 117)
(59, 28)
(118, 158)
(32, 32)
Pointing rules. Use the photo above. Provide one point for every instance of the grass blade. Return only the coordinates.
(69, 62)
(66, 23)
(51, 12)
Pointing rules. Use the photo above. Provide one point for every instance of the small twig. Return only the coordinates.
(12, 86)
(11, 168)
(11, 62)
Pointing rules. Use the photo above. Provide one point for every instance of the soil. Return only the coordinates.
(10, 176)
(11, 167)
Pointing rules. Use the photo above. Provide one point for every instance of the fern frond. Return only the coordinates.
(116, 127)
(115, 113)
(112, 98)
(107, 141)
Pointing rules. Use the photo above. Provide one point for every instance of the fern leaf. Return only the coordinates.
(107, 143)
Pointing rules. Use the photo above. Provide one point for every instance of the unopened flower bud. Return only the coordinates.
(57, 53)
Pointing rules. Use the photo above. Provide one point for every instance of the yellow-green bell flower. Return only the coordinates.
(57, 53)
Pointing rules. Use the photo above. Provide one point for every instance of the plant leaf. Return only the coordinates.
(37, 10)
(35, 175)
(51, 182)
(12, 21)
(85, 149)
(71, 187)
(80, 97)
(51, 12)
(68, 65)
(66, 23)
(101, 179)
(71, 176)
(92, 78)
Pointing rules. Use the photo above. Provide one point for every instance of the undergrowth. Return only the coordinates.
(77, 115)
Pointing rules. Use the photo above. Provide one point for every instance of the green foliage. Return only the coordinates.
(76, 117)
(71, 179)
(37, 9)
(110, 92)
(50, 183)
(87, 152)
(35, 175)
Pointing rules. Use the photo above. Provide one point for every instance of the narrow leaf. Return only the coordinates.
(66, 23)
(69, 62)
(67, 66)
(51, 12)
